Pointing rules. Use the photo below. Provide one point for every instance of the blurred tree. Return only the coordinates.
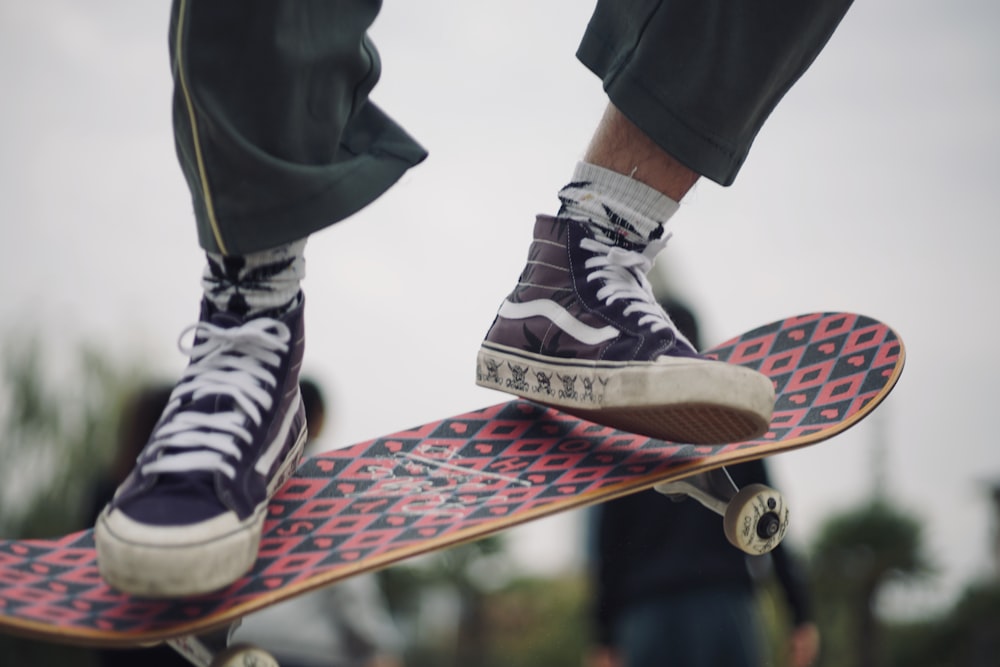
(856, 554)
(966, 636)
(535, 622)
(455, 574)
(496, 618)
(58, 430)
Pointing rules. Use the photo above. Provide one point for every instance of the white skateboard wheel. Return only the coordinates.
(756, 519)
(244, 655)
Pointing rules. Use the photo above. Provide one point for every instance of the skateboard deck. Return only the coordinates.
(458, 479)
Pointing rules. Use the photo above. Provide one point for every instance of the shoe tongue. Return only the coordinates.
(211, 404)
(614, 238)
(224, 318)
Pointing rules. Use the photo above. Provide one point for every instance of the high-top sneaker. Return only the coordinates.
(188, 519)
(582, 332)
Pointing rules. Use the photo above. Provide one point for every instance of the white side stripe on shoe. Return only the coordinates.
(267, 459)
(558, 316)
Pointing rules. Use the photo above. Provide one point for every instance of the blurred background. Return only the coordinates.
(873, 188)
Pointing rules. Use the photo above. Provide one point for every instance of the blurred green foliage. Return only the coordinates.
(59, 431)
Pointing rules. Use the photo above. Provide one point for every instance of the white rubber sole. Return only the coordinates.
(679, 399)
(176, 561)
(169, 561)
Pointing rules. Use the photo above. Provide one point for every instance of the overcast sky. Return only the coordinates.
(872, 189)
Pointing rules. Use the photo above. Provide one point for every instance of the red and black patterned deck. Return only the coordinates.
(457, 479)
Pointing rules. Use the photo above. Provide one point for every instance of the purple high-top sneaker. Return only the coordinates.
(582, 332)
(188, 519)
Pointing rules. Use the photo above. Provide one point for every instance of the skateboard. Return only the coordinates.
(365, 507)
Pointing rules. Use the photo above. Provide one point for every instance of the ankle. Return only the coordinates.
(620, 146)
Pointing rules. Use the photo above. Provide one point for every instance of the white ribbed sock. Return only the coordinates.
(261, 282)
(624, 209)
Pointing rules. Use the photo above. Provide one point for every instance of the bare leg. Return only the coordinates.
(621, 146)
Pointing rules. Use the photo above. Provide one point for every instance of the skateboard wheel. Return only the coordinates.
(244, 655)
(756, 519)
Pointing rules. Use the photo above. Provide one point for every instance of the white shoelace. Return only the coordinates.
(228, 362)
(624, 275)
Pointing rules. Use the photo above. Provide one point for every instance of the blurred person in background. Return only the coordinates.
(669, 588)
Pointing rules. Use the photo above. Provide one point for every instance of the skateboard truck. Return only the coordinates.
(754, 518)
(213, 650)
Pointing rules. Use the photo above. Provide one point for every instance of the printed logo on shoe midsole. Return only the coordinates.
(584, 387)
